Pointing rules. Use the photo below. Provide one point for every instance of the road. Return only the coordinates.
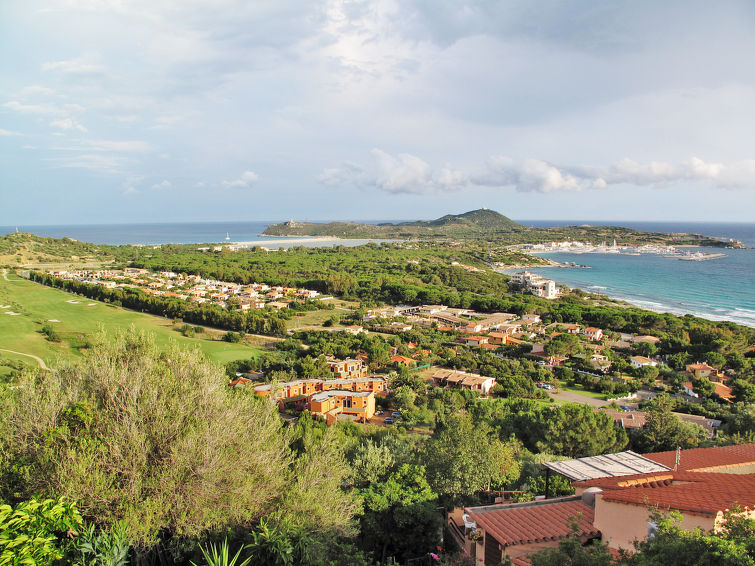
(37, 358)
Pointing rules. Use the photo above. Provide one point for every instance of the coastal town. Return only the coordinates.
(622, 363)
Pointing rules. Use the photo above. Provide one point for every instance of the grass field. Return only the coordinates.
(577, 388)
(75, 318)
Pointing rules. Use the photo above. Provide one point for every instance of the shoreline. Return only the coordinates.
(322, 240)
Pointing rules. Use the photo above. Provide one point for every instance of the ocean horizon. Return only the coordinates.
(718, 289)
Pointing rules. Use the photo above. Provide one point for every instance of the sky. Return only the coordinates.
(208, 110)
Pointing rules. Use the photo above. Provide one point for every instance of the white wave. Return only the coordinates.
(746, 313)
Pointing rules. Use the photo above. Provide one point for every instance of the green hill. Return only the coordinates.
(476, 223)
(29, 249)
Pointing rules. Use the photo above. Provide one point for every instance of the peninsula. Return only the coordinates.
(485, 224)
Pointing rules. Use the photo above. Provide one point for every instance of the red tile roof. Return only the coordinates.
(707, 458)
(537, 521)
(696, 493)
(627, 419)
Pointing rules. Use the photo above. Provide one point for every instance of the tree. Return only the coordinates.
(463, 458)
(371, 462)
(401, 519)
(404, 397)
(665, 431)
(564, 345)
(673, 546)
(576, 431)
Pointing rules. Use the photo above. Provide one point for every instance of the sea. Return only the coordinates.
(717, 289)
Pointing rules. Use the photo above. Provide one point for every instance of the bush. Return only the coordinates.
(233, 337)
(153, 439)
(50, 333)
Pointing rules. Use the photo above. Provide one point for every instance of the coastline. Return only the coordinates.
(717, 290)
(314, 241)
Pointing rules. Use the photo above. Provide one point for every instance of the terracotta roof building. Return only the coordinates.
(702, 484)
(520, 529)
(727, 459)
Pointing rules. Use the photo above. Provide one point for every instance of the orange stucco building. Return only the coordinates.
(330, 404)
(324, 397)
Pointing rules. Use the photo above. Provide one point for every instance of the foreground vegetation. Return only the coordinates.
(140, 454)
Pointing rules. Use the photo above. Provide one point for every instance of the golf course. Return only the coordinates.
(41, 326)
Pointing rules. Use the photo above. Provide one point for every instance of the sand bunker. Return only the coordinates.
(91, 304)
(53, 320)
(12, 313)
(73, 302)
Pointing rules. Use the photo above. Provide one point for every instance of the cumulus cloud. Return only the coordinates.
(68, 124)
(247, 180)
(406, 173)
(162, 186)
(402, 173)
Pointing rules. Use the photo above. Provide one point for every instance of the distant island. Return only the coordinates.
(485, 224)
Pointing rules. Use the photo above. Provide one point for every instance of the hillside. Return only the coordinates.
(476, 223)
(29, 249)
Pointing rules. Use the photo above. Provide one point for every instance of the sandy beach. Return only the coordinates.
(305, 241)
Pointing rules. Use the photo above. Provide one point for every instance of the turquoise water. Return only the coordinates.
(717, 289)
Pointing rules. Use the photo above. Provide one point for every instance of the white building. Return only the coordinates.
(535, 284)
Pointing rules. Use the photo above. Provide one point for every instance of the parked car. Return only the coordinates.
(396, 414)
(389, 420)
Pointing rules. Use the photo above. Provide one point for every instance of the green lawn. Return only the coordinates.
(79, 317)
(581, 391)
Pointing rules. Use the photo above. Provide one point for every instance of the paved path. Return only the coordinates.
(40, 360)
(572, 397)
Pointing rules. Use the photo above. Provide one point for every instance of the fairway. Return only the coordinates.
(26, 306)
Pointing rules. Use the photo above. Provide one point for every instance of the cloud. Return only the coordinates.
(247, 180)
(90, 161)
(8, 133)
(406, 173)
(68, 124)
(33, 90)
(32, 108)
(402, 173)
(78, 66)
(126, 145)
(164, 185)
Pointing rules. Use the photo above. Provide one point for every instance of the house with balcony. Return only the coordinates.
(332, 403)
(347, 368)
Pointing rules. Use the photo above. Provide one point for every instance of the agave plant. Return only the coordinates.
(219, 555)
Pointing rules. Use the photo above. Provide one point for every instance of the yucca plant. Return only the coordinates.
(219, 555)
